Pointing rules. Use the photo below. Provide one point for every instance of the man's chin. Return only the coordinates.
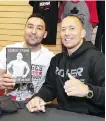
(32, 44)
(68, 46)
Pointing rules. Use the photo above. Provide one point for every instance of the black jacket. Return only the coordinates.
(86, 64)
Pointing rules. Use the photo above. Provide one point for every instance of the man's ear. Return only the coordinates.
(45, 35)
(83, 33)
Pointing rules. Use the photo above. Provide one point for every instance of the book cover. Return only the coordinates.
(18, 64)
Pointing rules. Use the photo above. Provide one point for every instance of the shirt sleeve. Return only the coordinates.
(99, 82)
(3, 58)
(48, 91)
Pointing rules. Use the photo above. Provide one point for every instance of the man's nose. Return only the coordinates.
(67, 32)
(34, 30)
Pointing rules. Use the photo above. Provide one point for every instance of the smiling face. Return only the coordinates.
(35, 31)
(72, 32)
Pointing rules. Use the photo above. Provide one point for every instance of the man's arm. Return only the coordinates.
(27, 68)
(6, 80)
(74, 87)
(48, 90)
(9, 66)
(99, 82)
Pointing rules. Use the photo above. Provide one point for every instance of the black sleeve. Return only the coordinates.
(48, 90)
(99, 81)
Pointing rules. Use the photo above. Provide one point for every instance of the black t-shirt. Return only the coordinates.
(49, 9)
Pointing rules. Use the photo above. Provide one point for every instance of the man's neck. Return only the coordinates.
(72, 50)
(19, 60)
(33, 48)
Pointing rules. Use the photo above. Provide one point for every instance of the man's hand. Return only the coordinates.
(74, 87)
(36, 105)
(7, 81)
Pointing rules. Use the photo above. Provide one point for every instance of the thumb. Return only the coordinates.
(42, 103)
(70, 76)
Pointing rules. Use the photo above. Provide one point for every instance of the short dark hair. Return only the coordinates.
(77, 16)
(37, 15)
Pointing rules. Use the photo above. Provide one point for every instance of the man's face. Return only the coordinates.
(19, 56)
(72, 32)
(35, 31)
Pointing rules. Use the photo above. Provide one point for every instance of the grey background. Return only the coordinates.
(49, 115)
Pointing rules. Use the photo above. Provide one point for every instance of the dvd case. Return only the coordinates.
(18, 64)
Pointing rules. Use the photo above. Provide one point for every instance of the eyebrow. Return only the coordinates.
(68, 26)
(37, 25)
(40, 26)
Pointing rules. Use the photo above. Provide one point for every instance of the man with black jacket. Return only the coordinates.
(76, 76)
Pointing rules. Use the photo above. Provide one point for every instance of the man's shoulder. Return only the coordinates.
(94, 53)
(47, 51)
(24, 62)
(58, 56)
(12, 62)
(18, 44)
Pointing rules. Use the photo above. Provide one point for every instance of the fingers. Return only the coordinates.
(71, 89)
(36, 105)
(73, 93)
(7, 82)
(7, 76)
(71, 83)
(30, 108)
(74, 87)
(34, 109)
(67, 84)
(6, 86)
(42, 108)
(37, 102)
